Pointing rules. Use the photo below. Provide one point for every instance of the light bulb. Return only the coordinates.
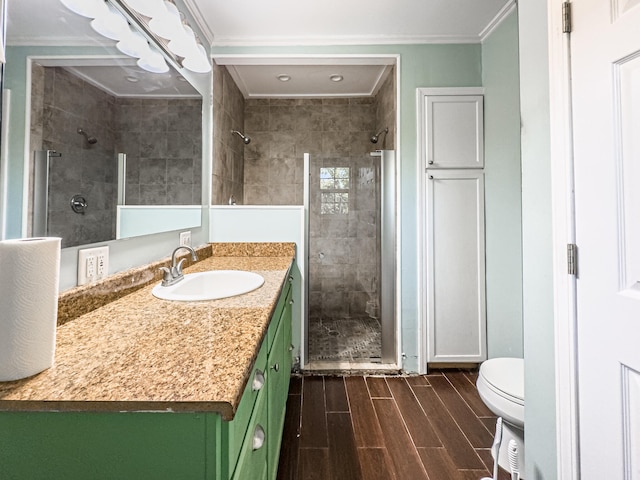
(184, 44)
(168, 23)
(198, 63)
(134, 45)
(86, 8)
(154, 62)
(111, 25)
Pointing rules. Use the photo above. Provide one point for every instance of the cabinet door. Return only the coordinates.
(279, 365)
(455, 274)
(454, 131)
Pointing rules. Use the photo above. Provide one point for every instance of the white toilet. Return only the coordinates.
(501, 387)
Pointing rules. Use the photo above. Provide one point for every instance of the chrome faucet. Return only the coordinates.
(173, 274)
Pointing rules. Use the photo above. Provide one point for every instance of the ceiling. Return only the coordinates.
(250, 23)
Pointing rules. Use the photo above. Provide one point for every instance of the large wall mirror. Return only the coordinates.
(109, 150)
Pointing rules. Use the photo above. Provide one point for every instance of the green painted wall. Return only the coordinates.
(540, 425)
(500, 78)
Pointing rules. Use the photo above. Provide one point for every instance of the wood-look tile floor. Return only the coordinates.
(432, 427)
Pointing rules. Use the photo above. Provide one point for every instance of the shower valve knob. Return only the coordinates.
(78, 204)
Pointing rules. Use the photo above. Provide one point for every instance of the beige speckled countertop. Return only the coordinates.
(142, 353)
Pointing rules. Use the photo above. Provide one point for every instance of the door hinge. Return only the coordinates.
(572, 259)
(566, 17)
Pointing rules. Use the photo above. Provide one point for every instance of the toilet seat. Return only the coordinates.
(501, 386)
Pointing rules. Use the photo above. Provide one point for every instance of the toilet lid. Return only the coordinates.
(506, 375)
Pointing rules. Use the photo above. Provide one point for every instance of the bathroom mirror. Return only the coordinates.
(110, 150)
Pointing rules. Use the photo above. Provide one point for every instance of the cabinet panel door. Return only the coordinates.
(455, 274)
(278, 380)
(454, 131)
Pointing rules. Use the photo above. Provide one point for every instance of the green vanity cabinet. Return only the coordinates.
(161, 445)
(261, 449)
(279, 364)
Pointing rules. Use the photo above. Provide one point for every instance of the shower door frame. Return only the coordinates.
(388, 252)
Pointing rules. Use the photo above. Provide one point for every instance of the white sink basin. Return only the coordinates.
(210, 285)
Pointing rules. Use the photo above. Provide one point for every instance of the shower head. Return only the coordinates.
(374, 138)
(244, 138)
(90, 140)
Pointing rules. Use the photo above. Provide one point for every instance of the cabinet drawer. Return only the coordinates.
(252, 463)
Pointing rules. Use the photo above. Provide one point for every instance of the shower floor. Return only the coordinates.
(356, 340)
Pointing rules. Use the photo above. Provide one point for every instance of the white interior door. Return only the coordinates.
(605, 44)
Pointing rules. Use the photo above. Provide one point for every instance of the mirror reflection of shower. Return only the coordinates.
(374, 138)
(90, 140)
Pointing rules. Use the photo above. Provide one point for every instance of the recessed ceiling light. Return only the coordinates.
(132, 79)
(283, 77)
(336, 78)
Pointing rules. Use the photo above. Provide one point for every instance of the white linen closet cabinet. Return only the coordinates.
(452, 154)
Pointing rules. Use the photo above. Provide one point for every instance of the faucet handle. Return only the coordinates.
(166, 274)
(179, 267)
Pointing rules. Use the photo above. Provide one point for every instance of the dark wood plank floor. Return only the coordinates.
(430, 427)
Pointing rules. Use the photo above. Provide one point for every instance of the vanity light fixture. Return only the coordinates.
(336, 77)
(283, 77)
(198, 63)
(160, 21)
(148, 8)
(134, 44)
(184, 44)
(111, 24)
(167, 22)
(153, 62)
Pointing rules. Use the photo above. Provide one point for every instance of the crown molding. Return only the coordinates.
(195, 12)
(502, 15)
(272, 41)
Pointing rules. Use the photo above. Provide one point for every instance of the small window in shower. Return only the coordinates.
(334, 183)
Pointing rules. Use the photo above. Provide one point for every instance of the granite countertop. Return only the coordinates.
(140, 353)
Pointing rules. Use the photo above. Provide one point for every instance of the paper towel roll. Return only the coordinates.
(29, 273)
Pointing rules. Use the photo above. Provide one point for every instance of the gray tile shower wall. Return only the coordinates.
(162, 140)
(284, 129)
(228, 150)
(161, 137)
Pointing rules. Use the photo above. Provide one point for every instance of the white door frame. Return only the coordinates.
(563, 226)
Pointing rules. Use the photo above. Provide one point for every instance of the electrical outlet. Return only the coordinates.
(91, 267)
(185, 238)
(93, 264)
(102, 263)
